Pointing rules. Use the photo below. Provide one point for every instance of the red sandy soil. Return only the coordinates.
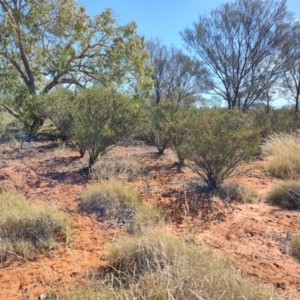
(255, 237)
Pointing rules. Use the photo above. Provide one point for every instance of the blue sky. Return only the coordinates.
(164, 18)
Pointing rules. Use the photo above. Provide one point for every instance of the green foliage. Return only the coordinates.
(262, 120)
(120, 203)
(103, 117)
(45, 44)
(25, 229)
(180, 125)
(284, 120)
(59, 106)
(285, 195)
(156, 128)
(91, 119)
(218, 142)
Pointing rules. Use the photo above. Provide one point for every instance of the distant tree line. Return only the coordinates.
(243, 52)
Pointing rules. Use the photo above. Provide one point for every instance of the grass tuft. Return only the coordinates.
(286, 195)
(237, 192)
(119, 203)
(107, 168)
(26, 230)
(295, 245)
(285, 152)
(154, 266)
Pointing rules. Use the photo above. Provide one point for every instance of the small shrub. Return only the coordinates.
(156, 128)
(286, 195)
(219, 141)
(238, 192)
(261, 120)
(92, 119)
(295, 246)
(108, 167)
(26, 229)
(284, 120)
(285, 151)
(119, 203)
(180, 127)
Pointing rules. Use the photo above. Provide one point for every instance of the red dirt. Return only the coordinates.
(255, 237)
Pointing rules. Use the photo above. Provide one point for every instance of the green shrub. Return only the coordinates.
(180, 126)
(59, 107)
(108, 167)
(284, 120)
(156, 128)
(120, 203)
(26, 229)
(286, 195)
(218, 142)
(285, 151)
(261, 120)
(91, 119)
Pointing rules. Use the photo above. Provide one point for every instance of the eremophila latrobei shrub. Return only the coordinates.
(286, 195)
(155, 266)
(218, 142)
(26, 229)
(115, 201)
(285, 155)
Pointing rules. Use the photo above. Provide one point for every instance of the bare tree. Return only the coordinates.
(291, 74)
(239, 42)
(177, 77)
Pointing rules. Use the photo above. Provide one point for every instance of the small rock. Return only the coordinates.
(42, 297)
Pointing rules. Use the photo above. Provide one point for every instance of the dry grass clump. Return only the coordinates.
(26, 229)
(295, 245)
(107, 168)
(285, 151)
(286, 195)
(238, 192)
(154, 266)
(119, 203)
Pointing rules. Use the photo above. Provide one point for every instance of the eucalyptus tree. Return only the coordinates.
(47, 43)
(177, 78)
(240, 43)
